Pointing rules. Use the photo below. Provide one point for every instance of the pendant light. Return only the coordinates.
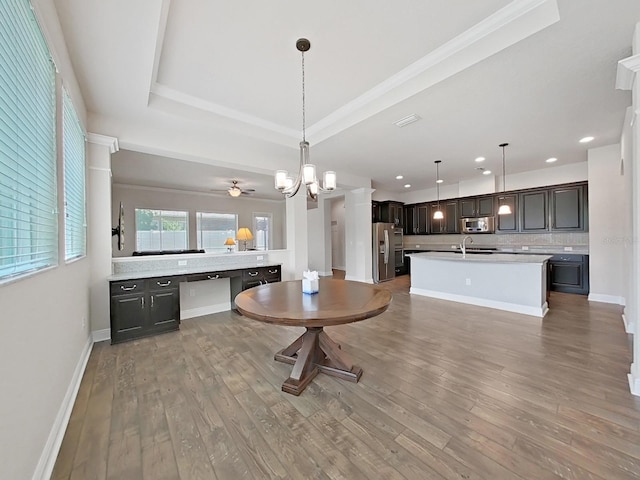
(504, 209)
(307, 173)
(438, 215)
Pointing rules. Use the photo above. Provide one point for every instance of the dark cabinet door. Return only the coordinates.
(534, 215)
(271, 274)
(507, 223)
(164, 309)
(569, 273)
(567, 212)
(423, 219)
(451, 224)
(468, 207)
(409, 224)
(375, 212)
(485, 206)
(128, 316)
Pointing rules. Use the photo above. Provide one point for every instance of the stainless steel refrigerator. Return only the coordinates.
(383, 252)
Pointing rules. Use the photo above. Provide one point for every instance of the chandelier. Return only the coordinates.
(286, 184)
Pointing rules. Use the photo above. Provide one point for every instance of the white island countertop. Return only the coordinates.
(484, 257)
(505, 281)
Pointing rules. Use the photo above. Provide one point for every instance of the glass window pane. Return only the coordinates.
(161, 230)
(214, 229)
(262, 231)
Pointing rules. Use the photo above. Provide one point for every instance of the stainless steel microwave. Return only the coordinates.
(477, 225)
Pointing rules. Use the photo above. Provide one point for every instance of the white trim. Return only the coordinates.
(629, 326)
(325, 274)
(104, 140)
(509, 307)
(626, 72)
(358, 279)
(208, 310)
(634, 383)
(598, 297)
(49, 454)
(340, 267)
(101, 335)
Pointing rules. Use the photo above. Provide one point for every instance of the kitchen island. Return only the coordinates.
(512, 282)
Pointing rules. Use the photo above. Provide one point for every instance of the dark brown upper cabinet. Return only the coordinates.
(534, 212)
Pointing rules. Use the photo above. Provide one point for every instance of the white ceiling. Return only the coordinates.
(213, 88)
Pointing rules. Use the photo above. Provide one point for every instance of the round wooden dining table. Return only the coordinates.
(337, 302)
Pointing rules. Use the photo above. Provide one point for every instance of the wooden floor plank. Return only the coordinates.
(449, 391)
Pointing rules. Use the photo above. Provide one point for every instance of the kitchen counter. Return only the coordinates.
(512, 282)
(515, 249)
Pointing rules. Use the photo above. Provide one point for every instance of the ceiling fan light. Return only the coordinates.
(504, 210)
(234, 191)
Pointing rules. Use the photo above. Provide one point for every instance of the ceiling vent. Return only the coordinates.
(403, 122)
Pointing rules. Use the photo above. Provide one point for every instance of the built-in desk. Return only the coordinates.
(148, 302)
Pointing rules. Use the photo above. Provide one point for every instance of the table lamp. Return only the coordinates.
(229, 243)
(244, 234)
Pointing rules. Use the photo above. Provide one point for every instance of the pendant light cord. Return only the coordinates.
(304, 139)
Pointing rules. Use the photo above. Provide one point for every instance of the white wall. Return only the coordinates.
(337, 234)
(44, 332)
(134, 197)
(608, 226)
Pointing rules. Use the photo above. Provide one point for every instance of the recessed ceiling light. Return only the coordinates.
(399, 177)
(439, 180)
(486, 172)
(407, 185)
(480, 159)
(586, 139)
(551, 160)
(403, 122)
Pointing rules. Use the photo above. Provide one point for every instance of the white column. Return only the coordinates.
(627, 79)
(297, 244)
(99, 223)
(358, 235)
(319, 223)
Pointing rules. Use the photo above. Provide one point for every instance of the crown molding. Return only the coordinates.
(104, 140)
(626, 73)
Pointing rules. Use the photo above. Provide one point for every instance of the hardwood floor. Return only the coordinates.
(449, 391)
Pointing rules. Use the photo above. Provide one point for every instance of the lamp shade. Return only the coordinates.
(244, 234)
(229, 241)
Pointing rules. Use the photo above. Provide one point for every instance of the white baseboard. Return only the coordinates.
(49, 454)
(208, 310)
(634, 382)
(481, 302)
(341, 267)
(325, 274)
(101, 335)
(629, 326)
(598, 297)
(358, 279)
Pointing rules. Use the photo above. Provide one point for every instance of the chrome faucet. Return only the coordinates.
(463, 245)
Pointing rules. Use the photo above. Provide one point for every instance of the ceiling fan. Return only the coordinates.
(235, 191)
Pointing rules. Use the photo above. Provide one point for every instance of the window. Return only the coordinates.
(161, 230)
(28, 197)
(262, 228)
(214, 228)
(75, 243)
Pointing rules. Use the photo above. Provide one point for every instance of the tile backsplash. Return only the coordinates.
(565, 239)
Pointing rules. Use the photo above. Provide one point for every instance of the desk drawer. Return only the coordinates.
(127, 287)
(272, 274)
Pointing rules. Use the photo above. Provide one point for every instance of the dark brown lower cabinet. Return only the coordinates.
(149, 306)
(569, 273)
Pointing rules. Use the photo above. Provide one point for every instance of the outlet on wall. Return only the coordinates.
(468, 281)
(182, 263)
(192, 292)
(84, 322)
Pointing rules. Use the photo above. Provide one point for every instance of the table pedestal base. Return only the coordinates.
(311, 353)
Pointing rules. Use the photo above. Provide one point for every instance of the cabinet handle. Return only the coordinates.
(253, 274)
(142, 302)
(273, 271)
(164, 284)
(213, 277)
(152, 301)
(126, 289)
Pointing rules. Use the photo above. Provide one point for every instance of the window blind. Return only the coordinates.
(75, 244)
(28, 223)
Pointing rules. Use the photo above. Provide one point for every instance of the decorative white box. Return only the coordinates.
(309, 286)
